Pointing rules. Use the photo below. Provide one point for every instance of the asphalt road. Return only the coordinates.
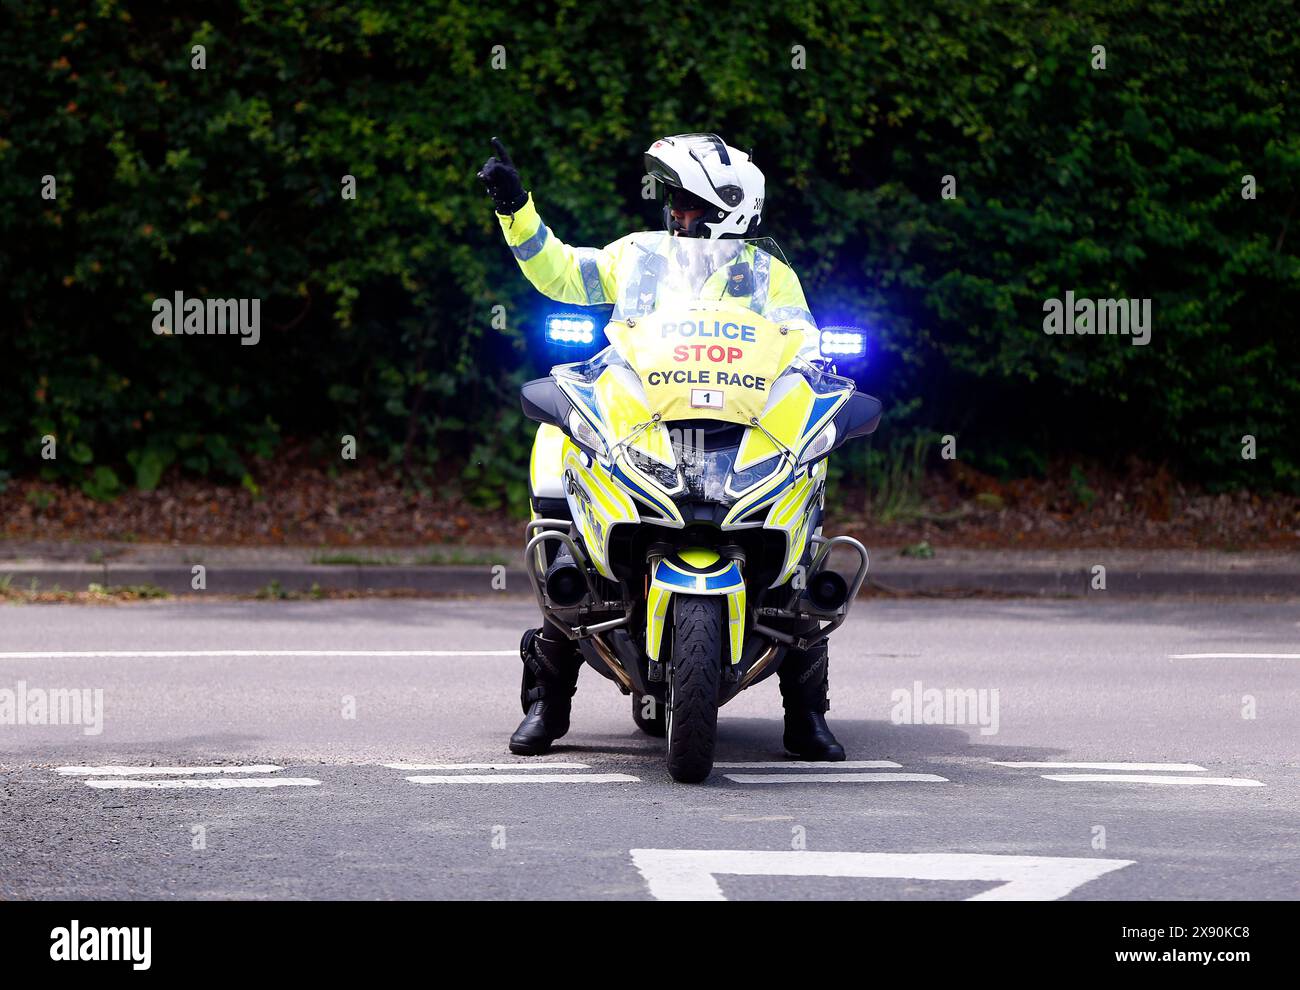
(927, 811)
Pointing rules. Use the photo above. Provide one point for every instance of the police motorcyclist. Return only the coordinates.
(713, 191)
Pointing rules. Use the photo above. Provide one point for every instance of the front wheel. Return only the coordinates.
(693, 686)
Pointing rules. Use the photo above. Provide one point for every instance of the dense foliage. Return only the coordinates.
(378, 311)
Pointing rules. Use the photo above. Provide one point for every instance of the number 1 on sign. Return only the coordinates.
(704, 398)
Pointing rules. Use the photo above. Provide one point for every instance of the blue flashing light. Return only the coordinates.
(569, 330)
(844, 342)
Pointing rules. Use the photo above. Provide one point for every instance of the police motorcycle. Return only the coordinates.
(681, 546)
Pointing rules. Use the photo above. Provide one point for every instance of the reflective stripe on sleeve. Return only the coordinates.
(590, 269)
(530, 247)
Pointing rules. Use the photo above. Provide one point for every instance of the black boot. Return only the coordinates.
(803, 693)
(551, 665)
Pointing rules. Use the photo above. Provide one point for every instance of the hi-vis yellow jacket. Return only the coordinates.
(587, 276)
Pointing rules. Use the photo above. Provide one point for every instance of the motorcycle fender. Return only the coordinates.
(696, 572)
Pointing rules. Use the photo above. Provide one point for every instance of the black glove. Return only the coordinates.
(501, 179)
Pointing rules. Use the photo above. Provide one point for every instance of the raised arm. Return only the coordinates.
(583, 276)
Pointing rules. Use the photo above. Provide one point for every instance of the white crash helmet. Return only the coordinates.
(701, 171)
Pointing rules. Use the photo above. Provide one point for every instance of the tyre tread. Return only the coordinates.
(697, 673)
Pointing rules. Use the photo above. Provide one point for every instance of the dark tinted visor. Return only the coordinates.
(682, 199)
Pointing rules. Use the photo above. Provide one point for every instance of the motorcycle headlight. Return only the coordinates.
(821, 446)
(664, 475)
(585, 434)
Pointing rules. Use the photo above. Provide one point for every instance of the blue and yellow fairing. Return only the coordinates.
(706, 573)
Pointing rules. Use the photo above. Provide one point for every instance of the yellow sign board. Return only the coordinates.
(706, 360)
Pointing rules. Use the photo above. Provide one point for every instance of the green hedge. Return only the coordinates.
(377, 313)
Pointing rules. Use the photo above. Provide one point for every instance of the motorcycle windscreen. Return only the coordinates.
(705, 360)
(656, 271)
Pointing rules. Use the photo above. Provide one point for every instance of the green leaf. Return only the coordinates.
(148, 472)
(103, 484)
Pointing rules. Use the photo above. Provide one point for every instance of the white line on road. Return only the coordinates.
(488, 766)
(834, 778)
(688, 874)
(166, 654)
(809, 764)
(528, 778)
(218, 784)
(1142, 778)
(1234, 656)
(1162, 767)
(146, 771)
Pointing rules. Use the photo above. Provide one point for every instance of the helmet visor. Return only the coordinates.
(683, 199)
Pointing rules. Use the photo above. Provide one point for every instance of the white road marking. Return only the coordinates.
(1234, 656)
(167, 654)
(1163, 767)
(834, 778)
(217, 784)
(1143, 778)
(689, 874)
(809, 764)
(528, 778)
(146, 771)
(488, 766)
